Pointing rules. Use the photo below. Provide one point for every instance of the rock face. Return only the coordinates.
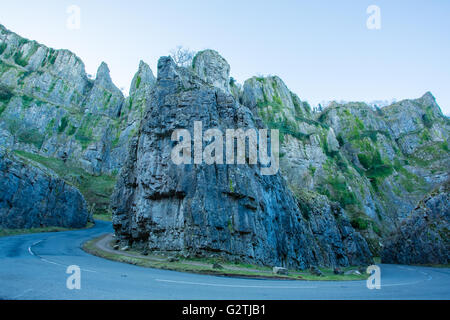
(32, 196)
(424, 237)
(350, 160)
(396, 155)
(50, 106)
(377, 163)
(213, 69)
(225, 210)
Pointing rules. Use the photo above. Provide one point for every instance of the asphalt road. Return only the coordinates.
(34, 267)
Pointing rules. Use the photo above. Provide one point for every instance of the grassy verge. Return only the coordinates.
(204, 266)
(14, 232)
(103, 216)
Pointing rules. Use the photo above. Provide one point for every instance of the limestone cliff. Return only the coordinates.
(423, 238)
(219, 210)
(349, 166)
(50, 106)
(377, 163)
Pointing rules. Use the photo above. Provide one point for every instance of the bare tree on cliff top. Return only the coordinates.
(182, 56)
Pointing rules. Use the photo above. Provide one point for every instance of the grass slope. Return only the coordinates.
(96, 190)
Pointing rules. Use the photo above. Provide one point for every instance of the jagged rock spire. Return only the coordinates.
(103, 76)
(143, 79)
(212, 68)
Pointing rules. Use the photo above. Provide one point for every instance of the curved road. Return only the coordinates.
(34, 266)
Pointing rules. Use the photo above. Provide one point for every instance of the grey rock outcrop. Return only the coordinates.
(271, 98)
(32, 196)
(401, 152)
(50, 106)
(104, 98)
(143, 80)
(316, 271)
(377, 163)
(212, 68)
(332, 229)
(280, 271)
(424, 237)
(230, 211)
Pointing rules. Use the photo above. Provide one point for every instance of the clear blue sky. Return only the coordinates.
(321, 49)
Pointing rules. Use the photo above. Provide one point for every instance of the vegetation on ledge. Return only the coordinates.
(96, 190)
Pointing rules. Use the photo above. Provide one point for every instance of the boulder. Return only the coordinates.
(280, 271)
(217, 266)
(338, 271)
(172, 259)
(352, 272)
(314, 270)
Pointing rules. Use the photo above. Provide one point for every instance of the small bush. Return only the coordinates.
(340, 139)
(63, 124)
(306, 106)
(31, 136)
(26, 101)
(427, 119)
(340, 192)
(375, 166)
(360, 223)
(19, 60)
(359, 123)
(312, 169)
(138, 82)
(5, 94)
(52, 60)
(3, 47)
(365, 160)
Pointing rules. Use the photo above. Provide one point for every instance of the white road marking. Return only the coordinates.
(30, 251)
(22, 294)
(29, 248)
